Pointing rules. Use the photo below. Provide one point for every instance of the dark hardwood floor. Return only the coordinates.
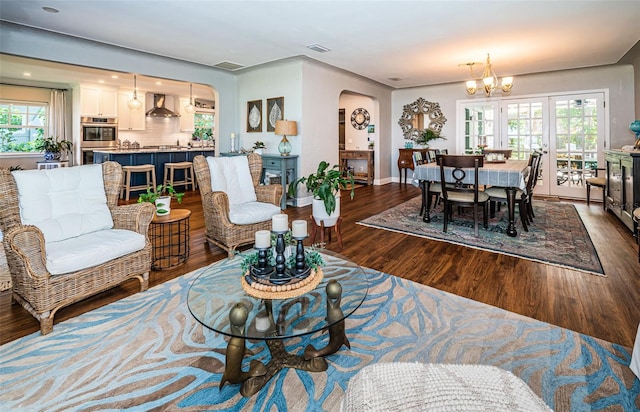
(603, 307)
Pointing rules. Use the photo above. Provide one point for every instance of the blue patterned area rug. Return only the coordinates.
(146, 352)
(557, 236)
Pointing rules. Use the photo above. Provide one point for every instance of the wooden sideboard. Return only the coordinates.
(623, 185)
(346, 155)
(405, 161)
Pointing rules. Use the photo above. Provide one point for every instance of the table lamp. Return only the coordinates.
(284, 128)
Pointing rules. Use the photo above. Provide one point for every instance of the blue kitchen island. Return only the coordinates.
(155, 156)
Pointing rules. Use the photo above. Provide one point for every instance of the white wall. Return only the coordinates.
(618, 80)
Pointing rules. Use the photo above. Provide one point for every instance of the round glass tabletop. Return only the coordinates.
(217, 290)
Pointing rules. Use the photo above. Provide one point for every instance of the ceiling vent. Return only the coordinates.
(228, 66)
(394, 79)
(318, 48)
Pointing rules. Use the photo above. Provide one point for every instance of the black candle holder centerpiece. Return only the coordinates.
(278, 273)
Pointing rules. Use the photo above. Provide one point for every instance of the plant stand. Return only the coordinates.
(323, 231)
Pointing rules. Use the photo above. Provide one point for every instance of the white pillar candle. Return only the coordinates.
(299, 228)
(280, 223)
(263, 239)
(233, 135)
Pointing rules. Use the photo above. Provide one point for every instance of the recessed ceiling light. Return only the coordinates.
(100, 81)
(158, 83)
(50, 9)
(318, 48)
(26, 74)
(114, 76)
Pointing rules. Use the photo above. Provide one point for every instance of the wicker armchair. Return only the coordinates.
(42, 293)
(220, 230)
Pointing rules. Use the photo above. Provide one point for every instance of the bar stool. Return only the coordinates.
(186, 167)
(150, 174)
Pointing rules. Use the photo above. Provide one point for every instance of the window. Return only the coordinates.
(21, 123)
(203, 123)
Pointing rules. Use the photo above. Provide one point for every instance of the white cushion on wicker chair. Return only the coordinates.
(252, 212)
(63, 202)
(438, 387)
(635, 356)
(232, 176)
(91, 249)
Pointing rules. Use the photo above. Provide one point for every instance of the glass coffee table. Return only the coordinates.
(217, 300)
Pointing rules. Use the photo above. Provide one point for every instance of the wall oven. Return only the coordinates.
(97, 133)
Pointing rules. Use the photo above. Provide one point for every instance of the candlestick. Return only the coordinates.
(263, 239)
(280, 223)
(299, 228)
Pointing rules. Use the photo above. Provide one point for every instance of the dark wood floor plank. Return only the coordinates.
(604, 307)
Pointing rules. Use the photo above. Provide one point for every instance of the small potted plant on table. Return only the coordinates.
(162, 201)
(258, 147)
(53, 148)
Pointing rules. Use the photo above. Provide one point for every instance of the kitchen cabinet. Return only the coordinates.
(98, 101)
(367, 155)
(128, 118)
(623, 185)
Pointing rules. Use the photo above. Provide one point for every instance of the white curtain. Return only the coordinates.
(57, 115)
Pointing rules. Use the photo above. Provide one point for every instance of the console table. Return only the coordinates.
(346, 155)
(622, 194)
(405, 160)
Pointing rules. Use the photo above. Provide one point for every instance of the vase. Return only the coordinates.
(319, 212)
(49, 156)
(163, 205)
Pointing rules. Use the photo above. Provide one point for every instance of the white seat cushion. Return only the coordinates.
(232, 176)
(252, 212)
(91, 249)
(438, 387)
(500, 192)
(466, 196)
(63, 202)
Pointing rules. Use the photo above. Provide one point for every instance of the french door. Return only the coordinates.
(568, 129)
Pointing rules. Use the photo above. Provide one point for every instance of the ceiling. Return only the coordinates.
(413, 42)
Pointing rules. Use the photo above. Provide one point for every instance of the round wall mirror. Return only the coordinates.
(418, 116)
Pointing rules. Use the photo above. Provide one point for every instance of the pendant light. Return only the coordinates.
(190, 108)
(134, 103)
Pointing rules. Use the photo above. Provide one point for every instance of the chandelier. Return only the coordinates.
(489, 80)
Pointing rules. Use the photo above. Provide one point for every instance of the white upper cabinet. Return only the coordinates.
(186, 118)
(98, 101)
(130, 119)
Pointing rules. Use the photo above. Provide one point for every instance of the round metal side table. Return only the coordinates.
(169, 235)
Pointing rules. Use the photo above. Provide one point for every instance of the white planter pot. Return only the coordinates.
(258, 151)
(320, 213)
(163, 205)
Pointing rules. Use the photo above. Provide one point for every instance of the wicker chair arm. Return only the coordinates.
(135, 217)
(269, 194)
(216, 205)
(26, 253)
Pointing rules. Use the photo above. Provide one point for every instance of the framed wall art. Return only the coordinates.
(275, 112)
(254, 116)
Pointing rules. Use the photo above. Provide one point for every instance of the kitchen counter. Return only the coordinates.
(151, 155)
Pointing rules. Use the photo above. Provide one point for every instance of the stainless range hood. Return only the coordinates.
(159, 110)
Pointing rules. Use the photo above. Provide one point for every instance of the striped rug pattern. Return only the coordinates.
(147, 352)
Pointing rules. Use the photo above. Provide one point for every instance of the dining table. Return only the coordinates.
(509, 174)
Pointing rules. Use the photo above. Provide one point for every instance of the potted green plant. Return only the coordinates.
(325, 185)
(159, 199)
(52, 147)
(258, 147)
(427, 136)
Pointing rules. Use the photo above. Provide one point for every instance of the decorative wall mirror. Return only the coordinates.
(418, 116)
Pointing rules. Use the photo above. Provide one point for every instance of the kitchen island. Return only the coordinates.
(156, 156)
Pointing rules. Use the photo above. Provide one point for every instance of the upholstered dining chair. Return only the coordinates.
(66, 238)
(597, 181)
(234, 203)
(457, 190)
(522, 199)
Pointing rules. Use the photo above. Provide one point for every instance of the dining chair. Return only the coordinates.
(597, 181)
(434, 187)
(523, 198)
(457, 190)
